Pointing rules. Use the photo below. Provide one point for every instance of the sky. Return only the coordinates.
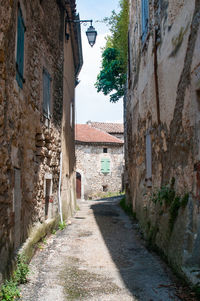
(91, 105)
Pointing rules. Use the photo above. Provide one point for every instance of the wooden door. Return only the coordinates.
(78, 185)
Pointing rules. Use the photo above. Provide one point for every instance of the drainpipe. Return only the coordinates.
(59, 190)
(156, 73)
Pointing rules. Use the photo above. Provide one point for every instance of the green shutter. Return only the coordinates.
(102, 165)
(20, 49)
(105, 165)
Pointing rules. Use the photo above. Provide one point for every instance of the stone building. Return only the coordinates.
(163, 128)
(40, 58)
(99, 162)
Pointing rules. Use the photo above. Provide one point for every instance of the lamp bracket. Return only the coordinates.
(80, 21)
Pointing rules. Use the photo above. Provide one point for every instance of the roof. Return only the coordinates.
(108, 127)
(87, 134)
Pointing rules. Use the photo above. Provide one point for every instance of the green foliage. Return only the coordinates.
(173, 210)
(196, 289)
(62, 226)
(164, 195)
(44, 241)
(167, 196)
(40, 246)
(184, 200)
(152, 235)
(112, 76)
(22, 270)
(9, 290)
(127, 208)
(77, 208)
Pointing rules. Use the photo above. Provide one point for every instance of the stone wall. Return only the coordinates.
(31, 143)
(162, 130)
(88, 164)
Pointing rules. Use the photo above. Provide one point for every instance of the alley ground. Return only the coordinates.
(99, 256)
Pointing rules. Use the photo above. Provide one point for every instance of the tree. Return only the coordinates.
(112, 76)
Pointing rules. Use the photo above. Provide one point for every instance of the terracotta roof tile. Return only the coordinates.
(86, 133)
(108, 127)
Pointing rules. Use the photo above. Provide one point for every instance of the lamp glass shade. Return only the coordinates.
(91, 34)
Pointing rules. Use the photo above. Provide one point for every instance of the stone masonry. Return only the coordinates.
(31, 142)
(89, 156)
(163, 133)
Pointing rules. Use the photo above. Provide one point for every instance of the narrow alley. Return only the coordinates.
(96, 258)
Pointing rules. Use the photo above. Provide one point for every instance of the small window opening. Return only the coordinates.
(105, 188)
(105, 150)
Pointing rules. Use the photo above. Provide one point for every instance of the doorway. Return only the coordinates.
(78, 185)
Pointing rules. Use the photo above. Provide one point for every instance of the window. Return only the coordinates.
(105, 150)
(105, 188)
(46, 94)
(105, 165)
(145, 18)
(20, 49)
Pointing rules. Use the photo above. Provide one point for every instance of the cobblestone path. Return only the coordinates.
(100, 256)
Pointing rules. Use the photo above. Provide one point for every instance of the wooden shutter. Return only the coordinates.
(20, 49)
(46, 93)
(145, 18)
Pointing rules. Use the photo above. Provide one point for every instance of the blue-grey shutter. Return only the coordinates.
(148, 160)
(46, 93)
(20, 49)
(145, 18)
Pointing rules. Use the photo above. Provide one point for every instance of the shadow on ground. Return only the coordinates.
(142, 273)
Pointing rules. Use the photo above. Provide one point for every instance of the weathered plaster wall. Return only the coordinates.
(88, 164)
(30, 145)
(163, 100)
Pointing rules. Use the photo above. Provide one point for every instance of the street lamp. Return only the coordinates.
(91, 33)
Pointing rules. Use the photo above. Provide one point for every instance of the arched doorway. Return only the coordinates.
(78, 185)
